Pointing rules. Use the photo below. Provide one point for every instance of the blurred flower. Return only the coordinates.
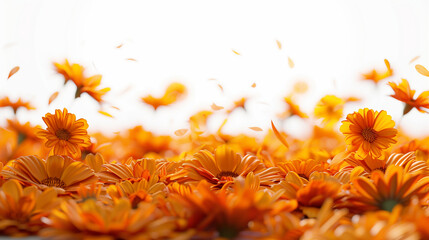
(173, 93)
(404, 94)
(90, 219)
(330, 109)
(377, 76)
(383, 191)
(21, 209)
(6, 102)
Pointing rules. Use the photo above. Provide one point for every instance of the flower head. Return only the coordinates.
(405, 94)
(369, 132)
(65, 135)
(60, 172)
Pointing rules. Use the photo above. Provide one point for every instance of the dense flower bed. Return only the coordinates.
(366, 179)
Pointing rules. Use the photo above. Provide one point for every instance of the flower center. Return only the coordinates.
(63, 134)
(53, 182)
(369, 135)
(388, 204)
(227, 174)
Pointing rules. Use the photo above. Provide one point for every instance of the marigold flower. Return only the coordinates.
(224, 166)
(89, 85)
(65, 135)
(60, 172)
(404, 94)
(368, 132)
(383, 191)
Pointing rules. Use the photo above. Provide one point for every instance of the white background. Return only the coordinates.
(331, 42)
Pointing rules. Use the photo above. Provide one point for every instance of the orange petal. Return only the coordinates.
(216, 107)
(180, 132)
(55, 166)
(13, 71)
(422, 70)
(53, 97)
(13, 188)
(279, 136)
(257, 129)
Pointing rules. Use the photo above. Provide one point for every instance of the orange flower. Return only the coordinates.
(93, 220)
(224, 166)
(5, 102)
(21, 209)
(404, 94)
(293, 110)
(368, 132)
(64, 134)
(377, 76)
(60, 172)
(225, 213)
(72, 72)
(241, 103)
(174, 92)
(385, 190)
(75, 73)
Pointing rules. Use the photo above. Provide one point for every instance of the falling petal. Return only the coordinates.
(216, 107)
(279, 135)
(387, 63)
(414, 59)
(279, 44)
(105, 114)
(13, 71)
(236, 52)
(212, 79)
(120, 45)
(131, 59)
(422, 70)
(290, 62)
(115, 108)
(257, 129)
(253, 85)
(53, 97)
(220, 86)
(181, 132)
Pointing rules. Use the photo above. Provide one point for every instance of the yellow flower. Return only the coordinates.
(330, 109)
(369, 132)
(65, 135)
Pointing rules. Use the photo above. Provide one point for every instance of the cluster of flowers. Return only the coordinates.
(366, 181)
